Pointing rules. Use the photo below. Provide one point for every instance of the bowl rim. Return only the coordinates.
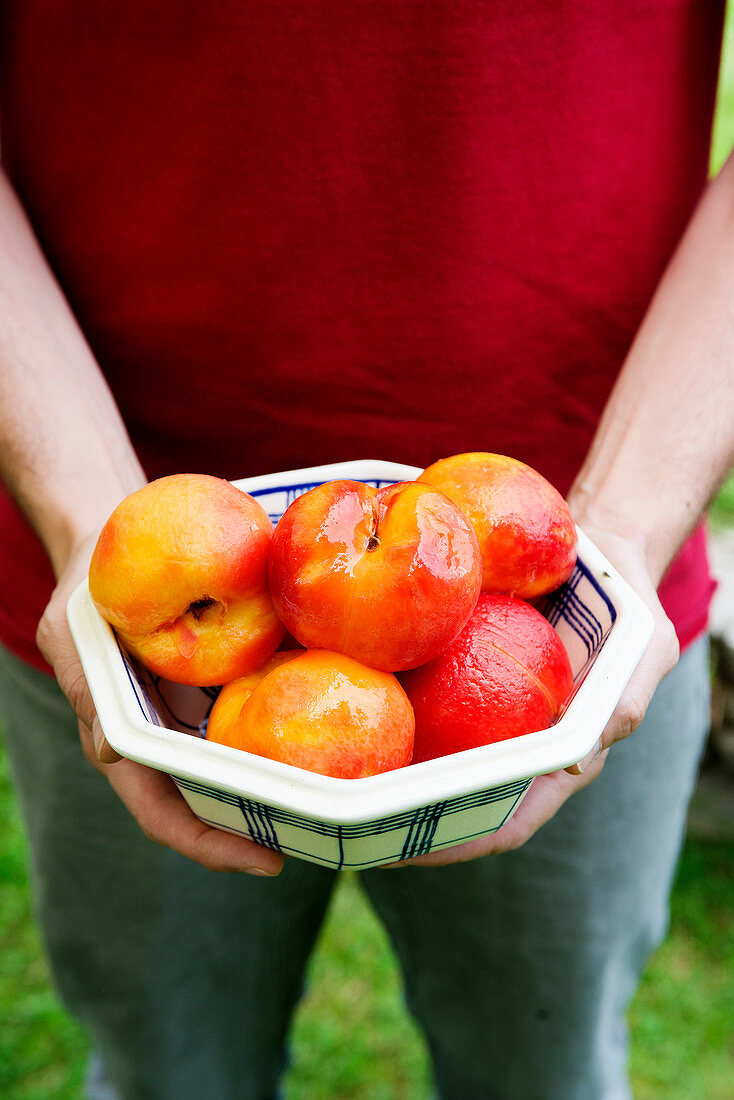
(348, 801)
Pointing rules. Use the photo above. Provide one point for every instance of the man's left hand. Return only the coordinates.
(547, 793)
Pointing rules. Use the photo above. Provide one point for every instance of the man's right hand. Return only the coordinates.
(151, 796)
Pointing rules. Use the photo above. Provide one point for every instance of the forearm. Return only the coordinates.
(666, 440)
(64, 451)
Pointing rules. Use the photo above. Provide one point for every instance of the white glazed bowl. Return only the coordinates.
(357, 823)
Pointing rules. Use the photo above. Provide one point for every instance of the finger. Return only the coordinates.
(103, 749)
(660, 657)
(55, 642)
(657, 661)
(89, 748)
(95, 745)
(164, 816)
(662, 653)
(53, 638)
(583, 765)
(545, 797)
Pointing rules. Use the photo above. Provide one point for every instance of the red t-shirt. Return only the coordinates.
(299, 231)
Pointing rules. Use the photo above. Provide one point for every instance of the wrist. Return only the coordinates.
(65, 528)
(632, 522)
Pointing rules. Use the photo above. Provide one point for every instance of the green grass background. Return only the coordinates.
(353, 1039)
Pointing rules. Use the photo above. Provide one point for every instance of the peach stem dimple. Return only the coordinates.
(198, 607)
(207, 612)
(373, 539)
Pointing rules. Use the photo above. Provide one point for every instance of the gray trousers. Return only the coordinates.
(517, 967)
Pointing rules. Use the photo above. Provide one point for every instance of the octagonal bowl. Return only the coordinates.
(360, 823)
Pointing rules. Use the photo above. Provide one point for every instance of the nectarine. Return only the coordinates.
(320, 711)
(388, 576)
(507, 674)
(180, 572)
(525, 530)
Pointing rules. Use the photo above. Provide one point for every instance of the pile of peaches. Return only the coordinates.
(371, 629)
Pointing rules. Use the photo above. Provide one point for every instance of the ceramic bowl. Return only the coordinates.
(359, 823)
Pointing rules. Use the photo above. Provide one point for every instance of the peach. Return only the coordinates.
(525, 530)
(320, 711)
(507, 674)
(180, 572)
(387, 576)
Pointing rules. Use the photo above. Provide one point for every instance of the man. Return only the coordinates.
(276, 234)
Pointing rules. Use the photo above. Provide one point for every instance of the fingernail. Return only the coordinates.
(98, 739)
(259, 872)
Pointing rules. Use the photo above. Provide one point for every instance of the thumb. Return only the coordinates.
(102, 748)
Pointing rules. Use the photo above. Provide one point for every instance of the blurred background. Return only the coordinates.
(353, 1039)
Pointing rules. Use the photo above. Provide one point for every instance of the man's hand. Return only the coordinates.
(150, 796)
(548, 792)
